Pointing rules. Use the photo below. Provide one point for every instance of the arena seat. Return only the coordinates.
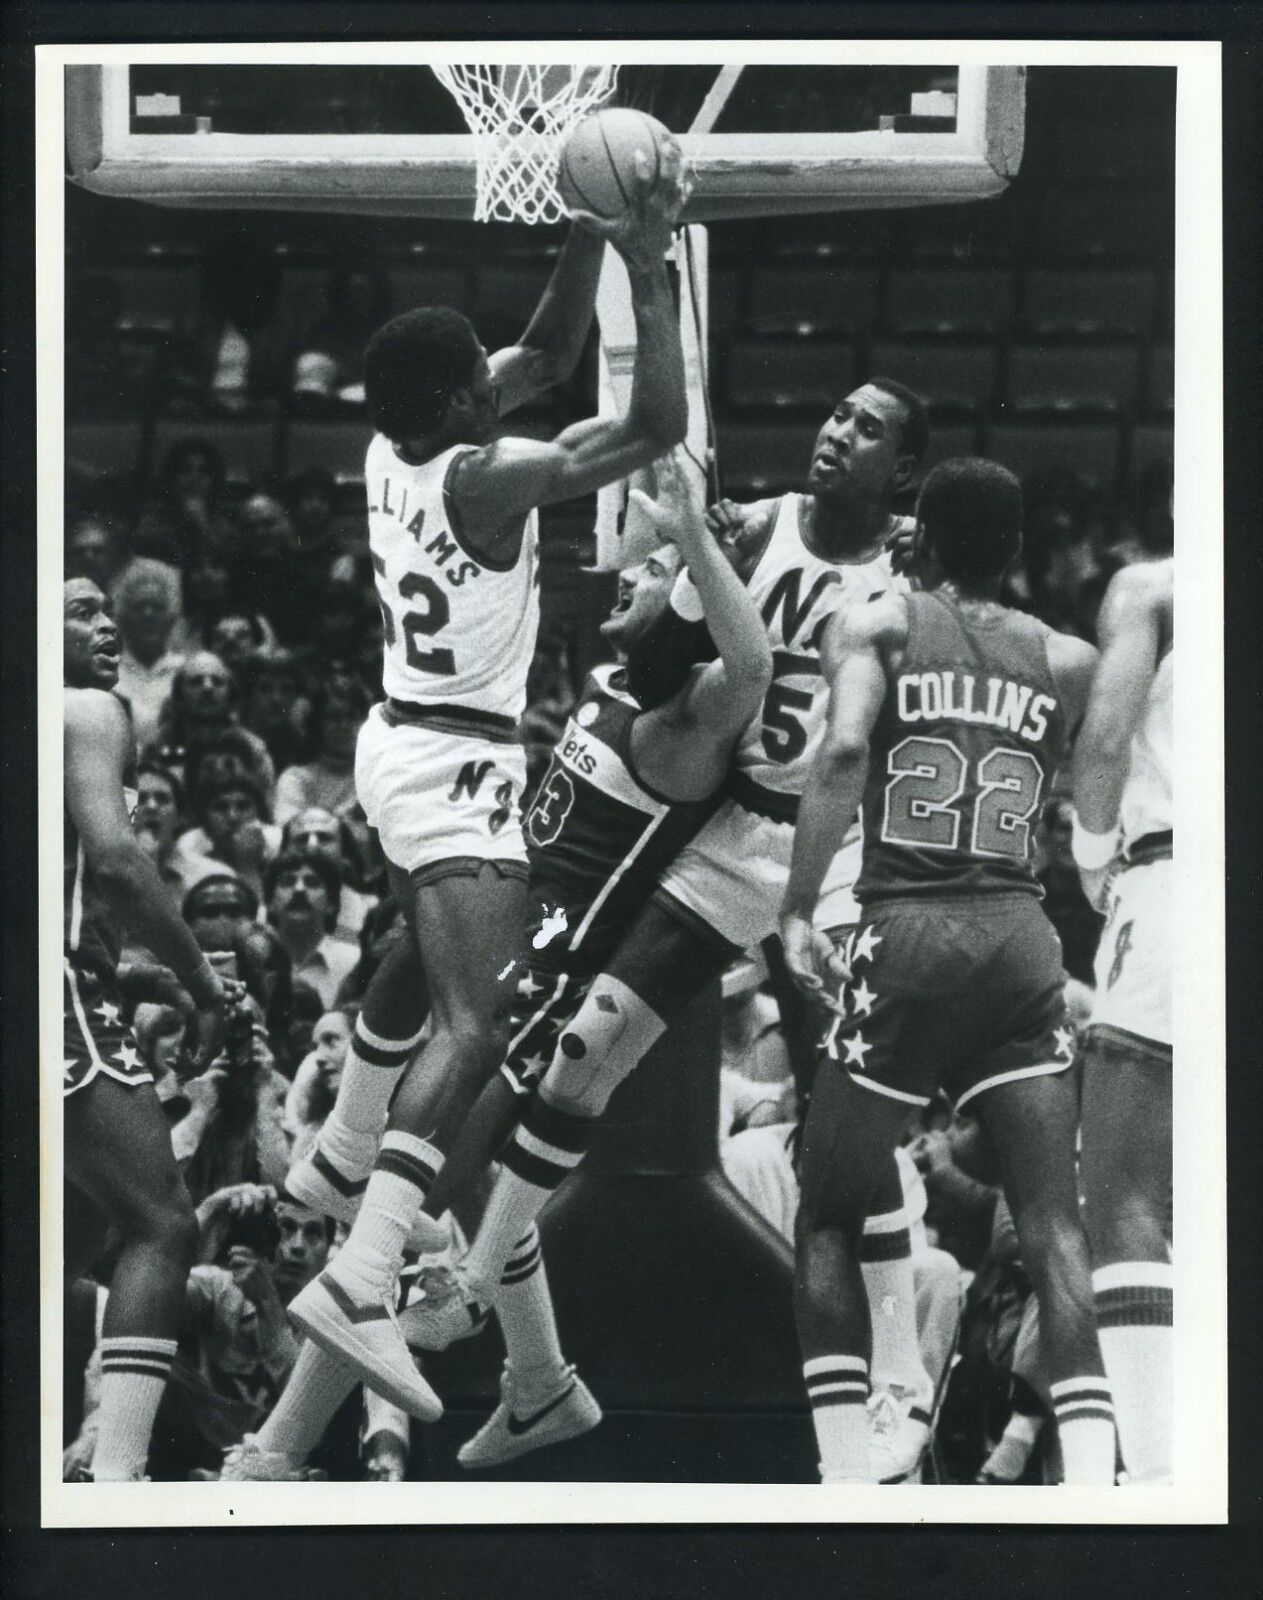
(952, 300)
(1031, 449)
(112, 448)
(248, 445)
(950, 378)
(1152, 443)
(1088, 377)
(789, 372)
(165, 297)
(337, 446)
(1120, 222)
(757, 458)
(1074, 300)
(804, 300)
(1160, 380)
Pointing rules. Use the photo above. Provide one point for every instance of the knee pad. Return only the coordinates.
(611, 1032)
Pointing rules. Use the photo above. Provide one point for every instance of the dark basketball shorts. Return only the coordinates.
(98, 1043)
(545, 1003)
(959, 993)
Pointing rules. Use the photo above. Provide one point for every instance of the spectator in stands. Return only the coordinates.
(219, 909)
(357, 303)
(146, 599)
(275, 704)
(302, 894)
(268, 570)
(94, 550)
(233, 833)
(235, 637)
(201, 716)
(159, 818)
(311, 499)
(315, 1085)
(383, 926)
(188, 513)
(327, 777)
(315, 831)
(956, 1165)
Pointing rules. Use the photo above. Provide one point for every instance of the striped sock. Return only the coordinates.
(316, 1387)
(886, 1262)
(134, 1373)
(524, 1309)
(837, 1388)
(405, 1168)
(1134, 1314)
(1085, 1427)
(547, 1147)
(374, 1066)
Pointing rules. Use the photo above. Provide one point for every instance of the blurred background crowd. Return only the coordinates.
(215, 436)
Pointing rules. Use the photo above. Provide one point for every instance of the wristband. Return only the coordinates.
(1092, 851)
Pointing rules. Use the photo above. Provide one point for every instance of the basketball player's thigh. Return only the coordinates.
(848, 1137)
(469, 924)
(1133, 959)
(1126, 1124)
(668, 961)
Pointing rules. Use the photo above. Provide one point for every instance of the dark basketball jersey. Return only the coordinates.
(597, 836)
(965, 749)
(91, 933)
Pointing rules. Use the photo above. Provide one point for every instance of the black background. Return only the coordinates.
(647, 1562)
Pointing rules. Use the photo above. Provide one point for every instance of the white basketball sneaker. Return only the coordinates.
(364, 1331)
(248, 1462)
(524, 1422)
(898, 1434)
(443, 1305)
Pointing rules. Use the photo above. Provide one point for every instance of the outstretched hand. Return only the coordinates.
(674, 511)
(814, 962)
(642, 233)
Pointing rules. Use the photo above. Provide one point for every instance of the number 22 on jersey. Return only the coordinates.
(932, 795)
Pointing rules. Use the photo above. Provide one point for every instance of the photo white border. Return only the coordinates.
(1199, 1494)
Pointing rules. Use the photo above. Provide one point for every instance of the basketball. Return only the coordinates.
(597, 167)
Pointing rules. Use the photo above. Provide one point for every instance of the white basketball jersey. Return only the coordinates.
(459, 630)
(1146, 805)
(796, 593)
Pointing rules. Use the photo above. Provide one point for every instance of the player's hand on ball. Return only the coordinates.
(814, 963)
(642, 234)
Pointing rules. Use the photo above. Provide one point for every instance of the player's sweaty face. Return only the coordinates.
(90, 640)
(643, 593)
(857, 452)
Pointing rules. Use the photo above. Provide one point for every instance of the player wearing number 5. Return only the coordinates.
(948, 716)
(452, 533)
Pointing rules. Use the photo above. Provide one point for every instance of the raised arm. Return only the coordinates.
(706, 716)
(548, 352)
(494, 487)
(1130, 630)
(853, 662)
(97, 751)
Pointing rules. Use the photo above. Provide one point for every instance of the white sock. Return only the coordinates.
(1008, 1459)
(886, 1262)
(1134, 1309)
(374, 1066)
(1085, 1427)
(546, 1148)
(373, 1253)
(837, 1388)
(315, 1389)
(524, 1308)
(134, 1373)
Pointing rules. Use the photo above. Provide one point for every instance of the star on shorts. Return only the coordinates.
(108, 1012)
(129, 1056)
(532, 1066)
(856, 1049)
(862, 998)
(866, 941)
(1065, 1043)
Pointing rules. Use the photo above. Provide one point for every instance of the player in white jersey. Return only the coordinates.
(1122, 842)
(452, 531)
(803, 555)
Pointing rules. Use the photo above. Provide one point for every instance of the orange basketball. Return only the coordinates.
(597, 167)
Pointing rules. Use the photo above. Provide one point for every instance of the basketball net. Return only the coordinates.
(519, 117)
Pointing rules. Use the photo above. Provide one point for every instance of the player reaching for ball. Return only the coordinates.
(948, 716)
(453, 535)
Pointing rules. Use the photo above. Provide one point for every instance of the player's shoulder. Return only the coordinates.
(879, 619)
(93, 709)
(1141, 586)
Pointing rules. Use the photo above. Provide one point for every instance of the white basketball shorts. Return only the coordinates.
(732, 875)
(437, 797)
(1133, 959)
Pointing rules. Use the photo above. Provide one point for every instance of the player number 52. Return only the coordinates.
(430, 618)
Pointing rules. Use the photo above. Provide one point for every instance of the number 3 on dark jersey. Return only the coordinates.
(422, 624)
(929, 776)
